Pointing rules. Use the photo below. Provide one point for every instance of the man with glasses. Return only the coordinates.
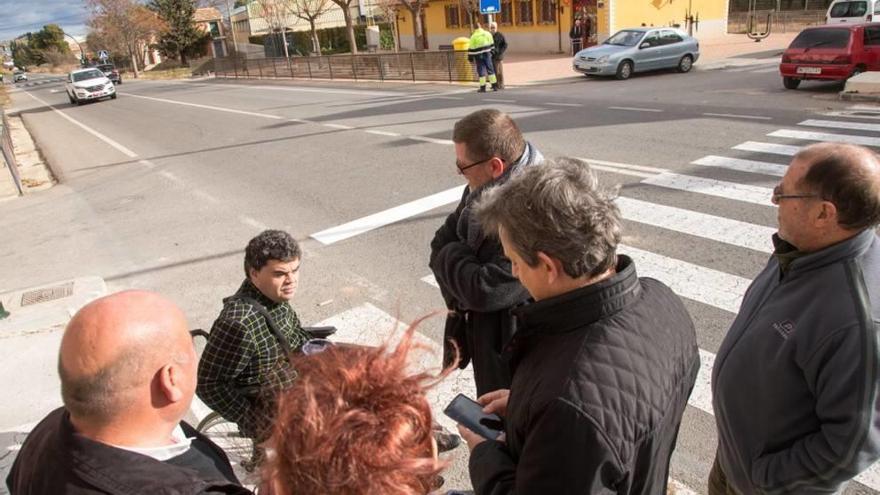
(245, 363)
(795, 382)
(475, 278)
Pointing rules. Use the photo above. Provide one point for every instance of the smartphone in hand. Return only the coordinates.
(469, 414)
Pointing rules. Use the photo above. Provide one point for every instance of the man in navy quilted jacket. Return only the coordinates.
(603, 361)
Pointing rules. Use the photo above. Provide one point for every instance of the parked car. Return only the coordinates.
(110, 71)
(852, 11)
(88, 84)
(638, 50)
(831, 53)
(19, 75)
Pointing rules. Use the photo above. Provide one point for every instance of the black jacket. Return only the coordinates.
(602, 376)
(56, 460)
(478, 286)
(500, 46)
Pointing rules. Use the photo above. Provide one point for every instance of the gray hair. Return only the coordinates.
(556, 208)
(846, 175)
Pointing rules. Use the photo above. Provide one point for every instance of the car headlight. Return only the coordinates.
(603, 59)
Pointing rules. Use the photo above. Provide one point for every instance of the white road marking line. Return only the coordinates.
(636, 109)
(626, 166)
(338, 126)
(147, 163)
(430, 280)
(701, 395)
(499, 100)
(835, 124)
(565, 104)
(719, 229)
(703, 285)
(205, 196)
(208, 107)
(252, 222)
(737, 116)
(826, 136)
(753, 166)
(865, 108)
(711, 187)
(389, 216)
(767, 70)
(300, 121)
(122, 149)
(170, 176)
(614, 170)
(770, 148)
(383, 133)
(431, 140)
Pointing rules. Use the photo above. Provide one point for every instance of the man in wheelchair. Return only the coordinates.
(244, 364)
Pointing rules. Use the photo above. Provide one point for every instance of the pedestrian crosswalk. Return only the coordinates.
(765, 161)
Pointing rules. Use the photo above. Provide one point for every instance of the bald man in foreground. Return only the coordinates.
(795, 383)
(128, 374)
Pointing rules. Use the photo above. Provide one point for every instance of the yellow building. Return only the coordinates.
(542, 26)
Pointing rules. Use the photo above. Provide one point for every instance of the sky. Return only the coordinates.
(21, 16)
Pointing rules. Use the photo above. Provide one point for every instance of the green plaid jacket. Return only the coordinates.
(243, 366)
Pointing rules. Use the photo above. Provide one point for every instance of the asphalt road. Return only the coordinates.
(162, 188)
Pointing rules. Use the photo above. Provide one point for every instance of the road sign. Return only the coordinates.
(490, 6)
(103, 55)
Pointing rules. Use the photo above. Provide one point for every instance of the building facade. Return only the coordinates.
(542, 26)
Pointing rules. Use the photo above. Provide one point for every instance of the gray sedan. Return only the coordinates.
(637, 50)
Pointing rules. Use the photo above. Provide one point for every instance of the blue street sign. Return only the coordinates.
(490, 6)
(103, 55)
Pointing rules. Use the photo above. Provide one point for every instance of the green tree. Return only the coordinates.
(51, 36)
(22, 54)
(181, 37)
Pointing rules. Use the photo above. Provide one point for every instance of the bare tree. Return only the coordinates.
(276, 13)
(345, 5)
(309, 11)
(389, 9)
(415, 8)
(124, 25)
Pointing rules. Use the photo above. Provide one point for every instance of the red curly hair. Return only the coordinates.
(355, 422)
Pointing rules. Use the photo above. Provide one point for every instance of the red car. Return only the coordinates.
(831, 53)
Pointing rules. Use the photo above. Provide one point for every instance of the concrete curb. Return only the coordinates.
(33, 170)
(55, 304)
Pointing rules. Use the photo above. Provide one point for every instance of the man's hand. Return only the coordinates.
(470, 437)
(495, 402)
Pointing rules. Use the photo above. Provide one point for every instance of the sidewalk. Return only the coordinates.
(715, 52)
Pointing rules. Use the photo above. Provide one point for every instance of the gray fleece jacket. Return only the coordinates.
(795, 381)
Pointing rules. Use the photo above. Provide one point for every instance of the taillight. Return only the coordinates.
(843, 59)
(786, 59)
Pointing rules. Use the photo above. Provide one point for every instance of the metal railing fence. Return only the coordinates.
(445, 65)
(8, 152)
(785, 21)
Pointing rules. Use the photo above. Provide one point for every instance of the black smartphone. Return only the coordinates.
(469, 413)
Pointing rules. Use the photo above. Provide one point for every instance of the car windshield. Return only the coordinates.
(849, 9)
(89, 74)
(625, 38)
(824, 38)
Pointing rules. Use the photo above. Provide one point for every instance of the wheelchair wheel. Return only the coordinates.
(226, 435)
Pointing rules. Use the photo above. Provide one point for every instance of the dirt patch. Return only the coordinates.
(180, 73)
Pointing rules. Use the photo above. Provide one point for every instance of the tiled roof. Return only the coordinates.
(207, 14)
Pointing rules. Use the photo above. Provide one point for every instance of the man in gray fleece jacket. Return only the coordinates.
(795, 381)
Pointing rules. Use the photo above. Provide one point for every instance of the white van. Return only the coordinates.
(852, 11)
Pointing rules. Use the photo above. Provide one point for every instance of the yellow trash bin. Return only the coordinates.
(464, 70)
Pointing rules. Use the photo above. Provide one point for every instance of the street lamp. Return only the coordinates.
(82, 54)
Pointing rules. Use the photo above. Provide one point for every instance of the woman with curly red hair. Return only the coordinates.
(355, 422)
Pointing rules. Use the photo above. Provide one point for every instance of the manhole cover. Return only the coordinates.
(48, 294)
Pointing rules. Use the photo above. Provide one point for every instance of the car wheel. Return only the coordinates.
(113, 96)
(72, 101)
(624, 70)
(857, 71)
(686, 63)
(791, 82)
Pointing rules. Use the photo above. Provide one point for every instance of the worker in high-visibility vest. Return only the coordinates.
(480, 52)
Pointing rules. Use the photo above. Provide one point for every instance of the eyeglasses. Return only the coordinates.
(462, 169)
(777, 195)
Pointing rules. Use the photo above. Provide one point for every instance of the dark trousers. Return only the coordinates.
(484, 64)
(499, 71)
(718, 484)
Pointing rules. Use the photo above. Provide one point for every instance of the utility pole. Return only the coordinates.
(232, 27)
(82, 54)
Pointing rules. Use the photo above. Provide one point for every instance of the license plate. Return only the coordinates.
(809, 70)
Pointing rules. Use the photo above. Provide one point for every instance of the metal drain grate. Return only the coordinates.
(48, 294)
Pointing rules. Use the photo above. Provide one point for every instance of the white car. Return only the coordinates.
(88, 84)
